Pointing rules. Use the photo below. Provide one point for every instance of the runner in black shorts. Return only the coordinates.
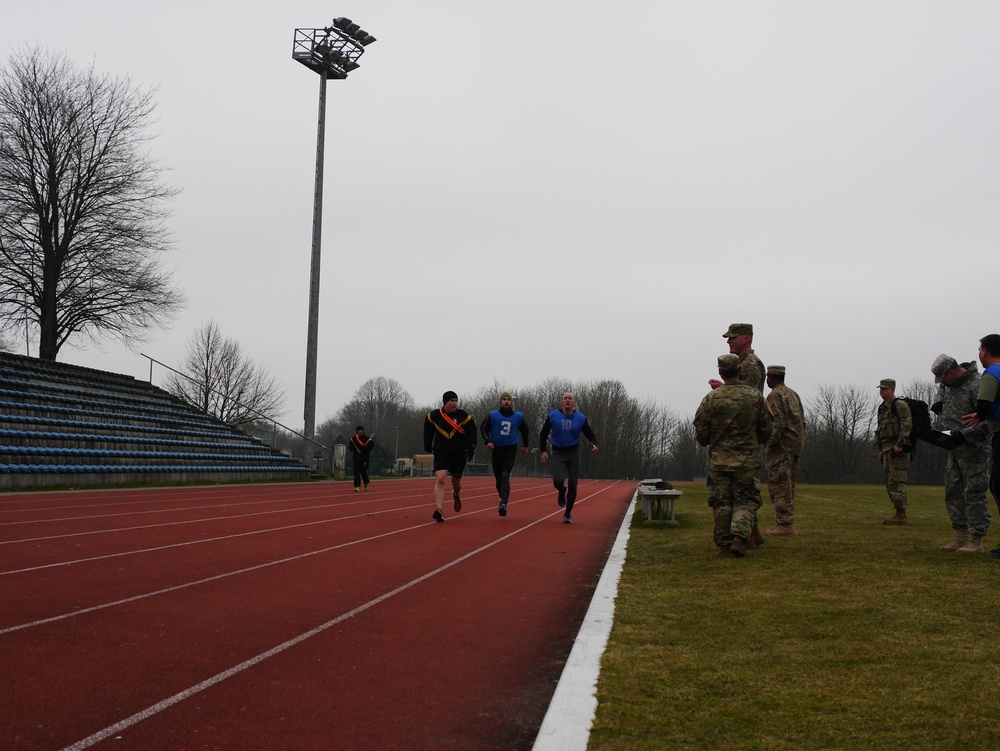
(450, 434)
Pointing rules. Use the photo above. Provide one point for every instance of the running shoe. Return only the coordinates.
(357, 490)
(567, 519)
(562, 500)
(503, 509)
(438, 517)
(458, 502)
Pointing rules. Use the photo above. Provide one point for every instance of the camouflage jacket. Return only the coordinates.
(731, 420)
(789, 431)
(894, 425)
(960, 399)
(752, 371)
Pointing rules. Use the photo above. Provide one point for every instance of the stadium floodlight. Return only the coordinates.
(332, 52)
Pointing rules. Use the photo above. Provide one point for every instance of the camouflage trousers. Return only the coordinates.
(895, 467)
(734, 496)
(782, 472)
(965, 484)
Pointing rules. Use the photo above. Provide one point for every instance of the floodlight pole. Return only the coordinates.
(332, 52)
(312, 340)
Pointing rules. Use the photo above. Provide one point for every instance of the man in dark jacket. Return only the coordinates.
(450, 435)
(361, 448)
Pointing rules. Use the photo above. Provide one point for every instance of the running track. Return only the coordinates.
(299, 616)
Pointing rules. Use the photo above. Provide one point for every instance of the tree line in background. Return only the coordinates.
(637, 437)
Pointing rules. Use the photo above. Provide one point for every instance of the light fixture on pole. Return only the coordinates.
(332, 52)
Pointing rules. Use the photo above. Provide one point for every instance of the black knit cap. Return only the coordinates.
(448, 396)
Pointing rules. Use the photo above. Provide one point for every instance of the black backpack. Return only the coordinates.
(921, 417)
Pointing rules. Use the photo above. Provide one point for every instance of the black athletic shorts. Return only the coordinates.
(453, 461)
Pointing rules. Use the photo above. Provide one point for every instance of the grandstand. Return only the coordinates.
(64, 425)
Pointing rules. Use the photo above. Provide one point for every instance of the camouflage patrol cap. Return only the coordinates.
(887, 383)
(738, 329)
(729, 362)
(942, 365)
(776, 370)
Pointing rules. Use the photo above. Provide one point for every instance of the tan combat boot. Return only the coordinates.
(723, 552)
(756, 537)
(738, 548)
(973, 545)
(961, 537)
(898, 519)
(781, 529)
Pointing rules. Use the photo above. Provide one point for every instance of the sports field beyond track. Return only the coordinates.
(300, 616)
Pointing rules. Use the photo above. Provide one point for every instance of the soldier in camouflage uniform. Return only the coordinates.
(892, 441)
(732, 420)
(988, 411)
(966, 477)
(740, 338)
(783, 449)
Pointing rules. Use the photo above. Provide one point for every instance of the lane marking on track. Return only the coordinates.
(342, 497)
(173, 495)
(198, 542)
(207, 519)
(148, 497)
(217, 577)
(570, 716)
(253, 661)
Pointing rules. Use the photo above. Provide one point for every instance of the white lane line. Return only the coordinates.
(253, 661)
(173, 510)
(181, 522)
(183, 544)
(215, 539)
(217, 577)
(570, 716)
(142, 497)
(178, 587)
(341, 497)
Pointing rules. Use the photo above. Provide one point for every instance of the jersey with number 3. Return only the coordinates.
(504, 430)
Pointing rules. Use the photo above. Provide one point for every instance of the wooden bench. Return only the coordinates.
(658, 504)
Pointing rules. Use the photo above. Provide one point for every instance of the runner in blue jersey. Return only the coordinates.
(500, 430)
(566, 425)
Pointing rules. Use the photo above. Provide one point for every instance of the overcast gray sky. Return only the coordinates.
(572, 189)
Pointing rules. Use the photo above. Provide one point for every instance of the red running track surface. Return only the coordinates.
(299, 616)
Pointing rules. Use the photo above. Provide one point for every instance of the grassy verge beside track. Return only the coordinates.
(851, 635)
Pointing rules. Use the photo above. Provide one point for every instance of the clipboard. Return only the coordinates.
(945, 439)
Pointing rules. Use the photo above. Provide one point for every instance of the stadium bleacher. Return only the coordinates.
(64, 425)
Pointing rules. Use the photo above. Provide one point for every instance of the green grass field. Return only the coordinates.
(852, 635)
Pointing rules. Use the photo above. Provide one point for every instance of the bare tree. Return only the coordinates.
(687, 459)
(223, 381)
(81, 205)
(377, 404)
(841, 422)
